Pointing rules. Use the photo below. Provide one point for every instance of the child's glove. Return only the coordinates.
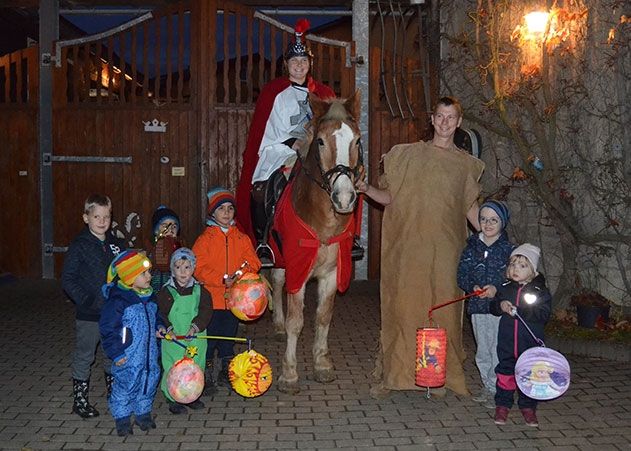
(192, 331)
(161, 332)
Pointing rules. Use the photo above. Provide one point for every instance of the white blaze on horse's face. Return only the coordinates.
(343, 193)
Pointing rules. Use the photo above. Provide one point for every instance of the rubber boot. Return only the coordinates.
(81, 405)
(109, 381)
(123, 426)
(210, 385)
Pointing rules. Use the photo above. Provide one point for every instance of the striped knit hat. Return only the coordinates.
(498, 207)
(127, 266)
(218, 196)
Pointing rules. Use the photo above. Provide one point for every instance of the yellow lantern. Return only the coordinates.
(250, 374)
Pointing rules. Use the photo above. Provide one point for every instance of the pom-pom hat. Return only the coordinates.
(298, 48)
(127, 266)
(499, 208)
(217, 197)
(161, 214)
(530, 251)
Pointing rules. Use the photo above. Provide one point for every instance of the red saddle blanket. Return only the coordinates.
(300, 245)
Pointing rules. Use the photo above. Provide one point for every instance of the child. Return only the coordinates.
(186, 310)
(483, 266)
(85, 266)
(526, 294)
(166, 231)
(221, 249)
(129, 326)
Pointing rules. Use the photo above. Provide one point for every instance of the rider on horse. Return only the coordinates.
(277, 132)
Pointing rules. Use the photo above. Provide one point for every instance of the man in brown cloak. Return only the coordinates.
(429, 190)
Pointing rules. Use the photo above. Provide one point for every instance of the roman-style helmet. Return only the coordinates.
(298, 47)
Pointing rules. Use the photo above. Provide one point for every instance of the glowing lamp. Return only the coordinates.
(537, 22)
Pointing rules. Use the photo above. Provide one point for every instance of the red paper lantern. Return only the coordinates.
(431, 357)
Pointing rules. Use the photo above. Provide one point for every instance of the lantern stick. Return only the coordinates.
(191, 351)
(436, 307)
(212, 337)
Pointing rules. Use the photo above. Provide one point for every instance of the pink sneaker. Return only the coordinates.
(501, 414)
(530, 416)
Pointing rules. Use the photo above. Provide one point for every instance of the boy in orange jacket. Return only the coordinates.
(221, 250)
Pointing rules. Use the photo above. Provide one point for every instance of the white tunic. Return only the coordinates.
(290, 113)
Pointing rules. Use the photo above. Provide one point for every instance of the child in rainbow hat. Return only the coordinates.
(129, 326)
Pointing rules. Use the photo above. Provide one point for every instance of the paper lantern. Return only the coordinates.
(185, 381)
(542, 373)
(431, 356)
(248, 297)
(250, 374)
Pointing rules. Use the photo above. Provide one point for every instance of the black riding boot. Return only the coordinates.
(81, 405)
(260, 224)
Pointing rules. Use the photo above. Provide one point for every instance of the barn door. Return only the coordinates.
(125, 124)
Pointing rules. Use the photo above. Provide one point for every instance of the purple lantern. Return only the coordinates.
(542, 373)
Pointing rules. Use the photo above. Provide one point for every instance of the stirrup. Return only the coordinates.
(357, 251)
(265, 253)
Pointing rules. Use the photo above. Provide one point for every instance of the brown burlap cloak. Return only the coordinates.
(423, 233)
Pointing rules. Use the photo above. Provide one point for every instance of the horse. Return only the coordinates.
(323, 197)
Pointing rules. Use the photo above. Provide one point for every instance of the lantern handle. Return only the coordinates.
(436, 307)
(539, 341)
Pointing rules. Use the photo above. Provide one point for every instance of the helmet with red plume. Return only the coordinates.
(298, 48)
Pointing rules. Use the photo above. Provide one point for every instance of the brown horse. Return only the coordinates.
(323, 196)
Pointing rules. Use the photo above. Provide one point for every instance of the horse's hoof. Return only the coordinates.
(290, 388)
(324, 376)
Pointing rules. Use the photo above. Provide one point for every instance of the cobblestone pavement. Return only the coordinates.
(35, 401)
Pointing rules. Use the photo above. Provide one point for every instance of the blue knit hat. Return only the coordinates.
(183, 253)
(498, 207)
(161, 214)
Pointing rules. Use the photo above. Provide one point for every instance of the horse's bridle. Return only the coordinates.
(329, 177)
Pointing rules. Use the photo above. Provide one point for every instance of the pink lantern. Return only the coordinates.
(185, 381)
(542, 373)
(248, 297)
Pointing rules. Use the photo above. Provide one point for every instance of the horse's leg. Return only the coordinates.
(323, 370)
(278, 289)
(288, 381)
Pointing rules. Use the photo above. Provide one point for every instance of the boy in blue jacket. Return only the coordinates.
(83, 275)
(129, 326)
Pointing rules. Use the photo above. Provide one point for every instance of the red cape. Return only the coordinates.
(300, 246)
(261, 115)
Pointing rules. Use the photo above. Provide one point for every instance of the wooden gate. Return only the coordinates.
(152, 112)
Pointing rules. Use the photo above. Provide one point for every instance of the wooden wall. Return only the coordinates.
(19, 165)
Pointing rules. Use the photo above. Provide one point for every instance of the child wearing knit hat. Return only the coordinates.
(483, 265)
(130, 326)
(221, 250)
(165, 226)
(186, 309)
(525, 293)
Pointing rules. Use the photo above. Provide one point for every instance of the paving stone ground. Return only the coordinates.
(36, 341)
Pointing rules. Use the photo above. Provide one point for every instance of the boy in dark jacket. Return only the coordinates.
(85, 268)
(129, 327)
(483, 266)
(525, 293)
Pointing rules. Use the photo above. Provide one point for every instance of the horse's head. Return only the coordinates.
(336, 149)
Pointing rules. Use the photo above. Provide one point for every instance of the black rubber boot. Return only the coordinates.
(109, 381)
(222, 378)
(81, 405)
